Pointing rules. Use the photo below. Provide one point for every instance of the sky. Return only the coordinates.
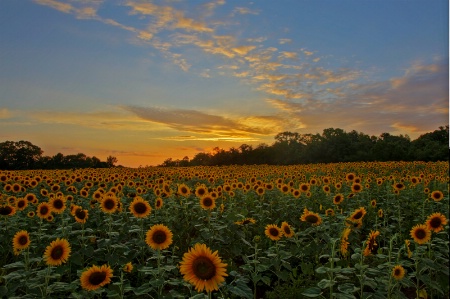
(149, 80)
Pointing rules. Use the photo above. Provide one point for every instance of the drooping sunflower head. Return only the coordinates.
(95, 277)
(398, 272)
(420, 233)
(436, 222)
(21, 240)
(358, 214)
(288, 232)
(57, 252)
(273, 232)
(203, 268)
(159, 237)
(140, 208)
(372, 245)
(207, 202)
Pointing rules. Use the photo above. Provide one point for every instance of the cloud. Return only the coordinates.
(185, 120)
(245, 11)
(5, 113)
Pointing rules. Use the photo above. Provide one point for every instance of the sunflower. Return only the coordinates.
(398, 272)
(57, 252)
(304, 187)
(158, 203)
(7, 210)
(50, 218)
(380, 213)
(246, 221)
(203, 268)
(21, 240)
(329, 212)
(201, 191)
(358, 214)
(273, 232)
(43, 210)
(21, 204)
(288, 232)
(372, 245)
(183, 190)
(349, 177)
(436, 222)
(344, 241)
(420, 233)
(207, 202)
(30, 197)
(140, 208)
(437, 195)
(81, 215)
(311, 217)
(159, 237)
(31, 214)
(128, 267)
(260, 190)
(95, 277)
(109, 203)
(373, 203)
(57, 204)
(338, 199)
(356, 187)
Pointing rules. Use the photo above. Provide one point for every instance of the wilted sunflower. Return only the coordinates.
(43, 210)
(288, 232)
(57, 252)
(159, 237)
(437, 195)
(436, 222)
(203, 268)
(109, 203)
(311, 217)
(273, 232)
(420, 233)
(81, 215)
(372, 245)
(338, 199)
(140, 208)
(398, 272)
(207, 202)
(95, 277)
(21, 240)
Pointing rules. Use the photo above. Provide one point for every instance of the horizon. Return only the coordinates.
(147, 81)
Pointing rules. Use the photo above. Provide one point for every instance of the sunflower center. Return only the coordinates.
(287, 230)
(311, 218)
(207, 202)
(159, 237)
(435, 222)
(44, 210)
(97, 278)
(203, 268)
(183, 190)
(23, 240)
(109, 204)
(274, 232)
(420, 234)
(397, 272)
(140, 208)
(57, 252)
(5, 210)
(358, 215)
(21, 204)
(58, 204)
(80, 214)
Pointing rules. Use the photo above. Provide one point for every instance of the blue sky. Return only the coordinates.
(148, 80)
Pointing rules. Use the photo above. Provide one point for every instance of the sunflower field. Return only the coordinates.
(344, 230)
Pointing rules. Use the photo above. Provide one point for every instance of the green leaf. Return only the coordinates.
(347, 288)
(322, 270)
(325, 283)
(312, 292)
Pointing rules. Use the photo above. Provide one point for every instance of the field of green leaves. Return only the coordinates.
(345, 230)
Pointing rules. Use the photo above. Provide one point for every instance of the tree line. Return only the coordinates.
(25, 155)
(333, 145)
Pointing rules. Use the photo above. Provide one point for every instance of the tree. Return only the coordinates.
(19, 155)
(110, 161)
